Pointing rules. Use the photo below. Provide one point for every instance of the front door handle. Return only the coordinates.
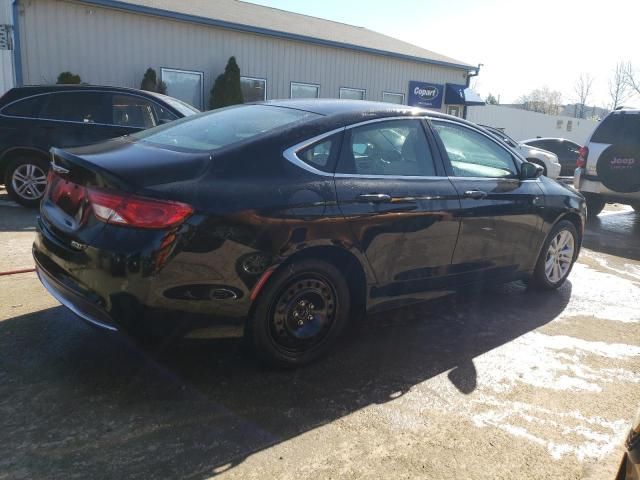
(374, 198)
(475, 194)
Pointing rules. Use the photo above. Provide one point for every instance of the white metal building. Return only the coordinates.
(522, 124)
(280, 54)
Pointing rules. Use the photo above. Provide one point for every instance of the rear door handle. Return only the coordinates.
(475, 194)
(374, 198)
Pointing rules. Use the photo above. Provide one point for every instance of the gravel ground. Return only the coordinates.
(502, 383)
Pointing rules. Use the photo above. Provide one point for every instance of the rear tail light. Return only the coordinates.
(132, 211)
(581, 161)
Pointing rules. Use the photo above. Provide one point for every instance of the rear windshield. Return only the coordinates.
(217, 129)
(618, 128)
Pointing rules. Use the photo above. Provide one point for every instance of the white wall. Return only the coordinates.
(6, 56)
(521, 124)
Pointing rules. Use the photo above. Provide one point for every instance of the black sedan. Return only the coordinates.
(35, 118)
(281, 221)
(566, 150)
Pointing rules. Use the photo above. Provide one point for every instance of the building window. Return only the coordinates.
(569, 125)
(389, 97)
(352, 93)
(184, 85)
(253, 89)
(304, 90)
(559, 124)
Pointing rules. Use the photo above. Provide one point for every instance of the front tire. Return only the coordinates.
(300, 313)
(26, 180)
(558, 254)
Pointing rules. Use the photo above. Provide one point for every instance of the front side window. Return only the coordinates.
(184, 85)
(82, 107)
(304, 90)
(214, 130)
(396, 147)
(253, 89)
(397, 98)
(472, 154)
(130, 111)
(352, 93)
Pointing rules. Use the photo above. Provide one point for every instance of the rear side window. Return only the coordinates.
(29, 107)
(618, 128)
(217, 129)
(397, 147)
(82, 107)
(317, 155)
(131, 111)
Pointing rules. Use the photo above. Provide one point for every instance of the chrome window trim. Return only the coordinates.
(258, 79)
(291, 84)
(353, 89)
(112, 92)
(291, 153)
(178, 70)
(394, 93)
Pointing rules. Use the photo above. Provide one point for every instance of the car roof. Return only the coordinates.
(18, 93)
(358, 109)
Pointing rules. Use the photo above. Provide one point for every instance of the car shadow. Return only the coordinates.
(614, 234)
(14, 218)
(79, 402)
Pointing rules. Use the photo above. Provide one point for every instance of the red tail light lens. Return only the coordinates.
(132, 211)
(581, 161)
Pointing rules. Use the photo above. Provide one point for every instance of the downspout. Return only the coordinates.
(17, 53)
(475, 73)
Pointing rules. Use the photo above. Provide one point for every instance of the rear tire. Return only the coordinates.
(558, 254)
(300, 314)
(26, 180)
(595, 205)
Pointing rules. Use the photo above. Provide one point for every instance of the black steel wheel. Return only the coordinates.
(300, 313)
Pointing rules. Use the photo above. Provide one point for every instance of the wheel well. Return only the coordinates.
(576, 220)
(17, 153)
(347, 263)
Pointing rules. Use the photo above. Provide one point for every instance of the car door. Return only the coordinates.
(392, 190)
(500, 214)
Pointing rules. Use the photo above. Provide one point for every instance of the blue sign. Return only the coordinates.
(425, 95)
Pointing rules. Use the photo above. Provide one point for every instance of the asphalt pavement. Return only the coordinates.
(499, 383)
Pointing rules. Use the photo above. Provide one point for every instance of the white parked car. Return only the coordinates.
(609, 163)
(547, 160)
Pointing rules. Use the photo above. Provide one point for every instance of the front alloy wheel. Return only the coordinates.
(559, 256)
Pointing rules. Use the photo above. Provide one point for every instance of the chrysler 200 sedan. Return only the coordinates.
(281, 221)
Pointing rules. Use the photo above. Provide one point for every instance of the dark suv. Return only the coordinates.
(34, 119)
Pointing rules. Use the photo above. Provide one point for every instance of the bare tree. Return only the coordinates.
(582, 89)
(619, 85)
(630, 79)
(542, 100)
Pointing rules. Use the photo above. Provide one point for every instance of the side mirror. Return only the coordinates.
(530, 170)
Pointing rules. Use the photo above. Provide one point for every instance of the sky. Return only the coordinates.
(523, 45)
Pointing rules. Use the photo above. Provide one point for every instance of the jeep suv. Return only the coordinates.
(34, 119)
(609, 163)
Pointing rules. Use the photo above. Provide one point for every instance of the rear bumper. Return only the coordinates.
(81, 306)
(94, 290)
(590, 184)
